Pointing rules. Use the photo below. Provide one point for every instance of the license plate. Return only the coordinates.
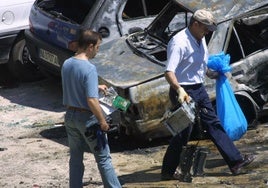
(49, 57)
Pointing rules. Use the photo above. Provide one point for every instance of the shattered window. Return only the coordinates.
(177, 24)
(252, 35)
(142, 8)
(234, 48)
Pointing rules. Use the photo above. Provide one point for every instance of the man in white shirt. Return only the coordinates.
(185, 72)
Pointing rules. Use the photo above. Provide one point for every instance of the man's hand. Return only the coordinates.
(104, 126)
(212, 74)
(103, 88)
(182, 95)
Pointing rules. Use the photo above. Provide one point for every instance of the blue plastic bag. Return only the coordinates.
(219, 62)
(229, 112)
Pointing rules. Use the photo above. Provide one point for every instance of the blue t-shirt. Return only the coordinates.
(79, 81)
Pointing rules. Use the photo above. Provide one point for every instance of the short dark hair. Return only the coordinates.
(87, 37)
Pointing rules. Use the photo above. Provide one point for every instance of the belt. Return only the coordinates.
(77, 109)
(193, 86)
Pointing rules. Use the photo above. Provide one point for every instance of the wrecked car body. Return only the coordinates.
(55, 25)
(134, 65)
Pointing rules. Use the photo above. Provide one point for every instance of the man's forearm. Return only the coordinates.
(172, 80)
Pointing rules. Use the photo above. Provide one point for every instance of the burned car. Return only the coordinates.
(55, 24)
(135, 64)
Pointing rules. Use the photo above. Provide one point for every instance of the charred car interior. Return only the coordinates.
(67, 10)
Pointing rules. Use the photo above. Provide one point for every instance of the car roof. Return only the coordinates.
(223, 10)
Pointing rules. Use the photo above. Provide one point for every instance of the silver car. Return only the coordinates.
(13, 51)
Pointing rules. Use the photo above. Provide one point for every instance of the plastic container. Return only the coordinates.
(112, 99)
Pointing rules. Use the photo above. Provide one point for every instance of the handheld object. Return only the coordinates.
(181, 118)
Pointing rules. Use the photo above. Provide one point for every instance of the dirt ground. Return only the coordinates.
(34, 149)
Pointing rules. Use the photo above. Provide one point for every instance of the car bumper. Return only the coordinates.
(6, 42)
(37, 47)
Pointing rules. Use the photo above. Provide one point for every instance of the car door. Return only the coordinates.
(14, 16)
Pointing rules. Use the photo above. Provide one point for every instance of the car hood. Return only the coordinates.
(118, 65)
(223, 10)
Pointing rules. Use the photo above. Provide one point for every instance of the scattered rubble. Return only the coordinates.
(34, 152)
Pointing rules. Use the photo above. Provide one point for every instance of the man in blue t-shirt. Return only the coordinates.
(81, 97)
(185, 72)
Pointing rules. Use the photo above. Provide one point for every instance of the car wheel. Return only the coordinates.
(249, 109)
(20, 64)
(247, 106)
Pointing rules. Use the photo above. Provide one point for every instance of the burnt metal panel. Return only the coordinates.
(223, 10)
(151, 100)
(119, 66)
(248, 71)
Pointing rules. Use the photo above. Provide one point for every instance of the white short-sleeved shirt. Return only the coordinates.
(186, 58)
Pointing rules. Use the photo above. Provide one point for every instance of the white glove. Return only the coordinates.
(182, 95)
(167, 114)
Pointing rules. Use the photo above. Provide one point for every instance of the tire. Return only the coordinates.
(20, 64)
(249, 109)
(247, 106)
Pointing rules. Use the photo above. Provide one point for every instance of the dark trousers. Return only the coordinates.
(211, 124)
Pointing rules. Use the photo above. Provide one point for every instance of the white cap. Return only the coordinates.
(205, 17)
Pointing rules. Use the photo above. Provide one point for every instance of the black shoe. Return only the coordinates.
(180, 177)
(184, 177)
(166, 177)
(247, 159)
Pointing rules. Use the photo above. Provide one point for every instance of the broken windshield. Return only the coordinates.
(171, 19)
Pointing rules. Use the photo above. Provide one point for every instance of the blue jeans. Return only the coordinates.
(76, 123)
